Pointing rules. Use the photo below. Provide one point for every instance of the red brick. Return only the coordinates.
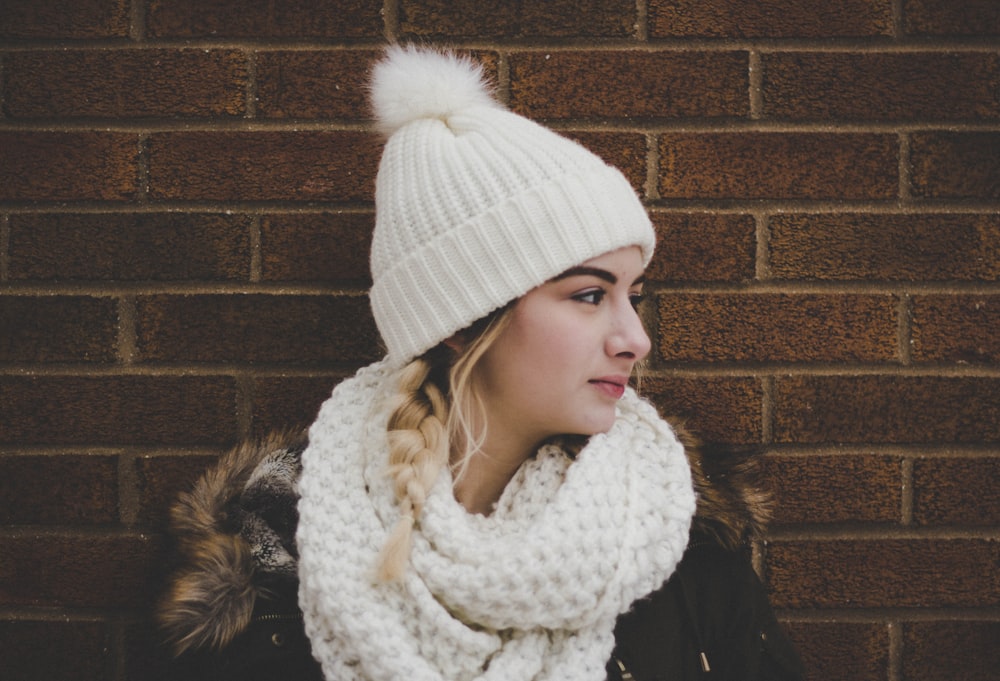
(951, 17)
(255, 328)
(64, 489)
(778, 166)
(58, 329)
(296, 19)
(703, 247)
(55, 649)
(117, 410)
(769, 18)
(68, 166)
(161, 479)
(555, 18)
(289, 402)
(319, 85)
(882, 573)
(581, 84)
(944, 651)
(842, 650)
(820, 489)
(886, 409)
(849, 246)
(956, 491)
(91, 83)
(715, 409)
(330, 247)
(624, 151)
(737, 327)
(129, 246)
(106, 571)
(955, 165)
(54, 19)
(957, 328)
(881, 86)
(263, 166)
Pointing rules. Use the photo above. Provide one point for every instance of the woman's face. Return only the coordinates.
(564, 358)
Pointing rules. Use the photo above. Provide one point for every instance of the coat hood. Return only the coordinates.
(234, 531)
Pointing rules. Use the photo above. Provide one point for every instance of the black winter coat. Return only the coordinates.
(230, 620)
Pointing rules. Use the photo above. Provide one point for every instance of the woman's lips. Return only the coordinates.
(612, 386)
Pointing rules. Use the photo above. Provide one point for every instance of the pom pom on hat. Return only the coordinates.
(412, 84)
(476, 205)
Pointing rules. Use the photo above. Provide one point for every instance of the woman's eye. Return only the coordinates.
(636, 299)
(590, 297)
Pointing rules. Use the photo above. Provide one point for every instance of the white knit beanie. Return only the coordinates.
(476, 205)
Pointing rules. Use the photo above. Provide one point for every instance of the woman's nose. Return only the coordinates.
(629, 337)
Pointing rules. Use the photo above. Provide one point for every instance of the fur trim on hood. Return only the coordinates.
(234, 531)
(234, 538)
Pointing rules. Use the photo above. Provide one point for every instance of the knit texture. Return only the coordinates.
(475, 205)
(530, 592)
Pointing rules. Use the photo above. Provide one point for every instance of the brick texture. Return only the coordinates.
(85, 83)
(909, 573)
(823, 86)
(956, 329)
(123, 410)
(161, 479)
(186, 211)
(81, 571)
(295, 19)
(958, 491)
(885, 247)
(841, 650)
(297, 247)
(69, 166)
(55, 19)
(703, 247)
(297, 84)
(972, 651)
(557, 18)
(823, 489)
(769, 18)
(754, 328)
(236, 166)
(948, 18)
(130, 247)
(289, 402)
(886, 409)
(59, 490)
(778, 166)
(254, 328)
(718, 409)
(629, 84)
(949, 165)
(57, 329)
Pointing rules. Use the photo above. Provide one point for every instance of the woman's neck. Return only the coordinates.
(485, 477)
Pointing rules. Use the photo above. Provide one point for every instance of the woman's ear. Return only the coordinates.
(455, 343)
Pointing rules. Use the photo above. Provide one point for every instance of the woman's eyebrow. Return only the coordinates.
(593, 272)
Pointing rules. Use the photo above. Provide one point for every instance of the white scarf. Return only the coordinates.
(531, 592)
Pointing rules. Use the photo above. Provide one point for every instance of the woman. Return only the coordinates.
(491, 500)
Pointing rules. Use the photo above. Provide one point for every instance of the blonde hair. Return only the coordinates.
(437, 411)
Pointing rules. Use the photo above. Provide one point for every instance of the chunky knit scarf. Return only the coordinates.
(530, 592)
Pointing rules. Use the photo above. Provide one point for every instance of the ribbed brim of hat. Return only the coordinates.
(529, 238)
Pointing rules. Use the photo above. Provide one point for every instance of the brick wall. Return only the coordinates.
(185, 209)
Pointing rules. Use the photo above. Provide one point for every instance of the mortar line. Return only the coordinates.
(756, 85)
(390, 20)
(906, 492)
(4, 248)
